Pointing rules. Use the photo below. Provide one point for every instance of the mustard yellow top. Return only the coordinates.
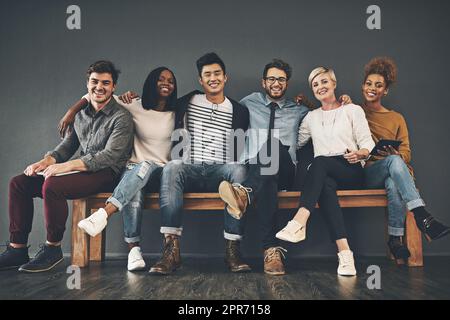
(388, 124)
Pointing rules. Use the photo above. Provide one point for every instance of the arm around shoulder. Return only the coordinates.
(68, 119)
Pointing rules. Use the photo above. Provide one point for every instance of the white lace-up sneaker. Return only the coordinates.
(293, 232)
(95, 223)
(135, 260)
(346, 263)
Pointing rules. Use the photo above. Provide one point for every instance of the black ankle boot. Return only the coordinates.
(398, 249)
(431, 228)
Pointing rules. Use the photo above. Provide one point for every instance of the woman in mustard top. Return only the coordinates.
(390, 169)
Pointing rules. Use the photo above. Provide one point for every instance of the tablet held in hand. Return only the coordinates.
(382, 144)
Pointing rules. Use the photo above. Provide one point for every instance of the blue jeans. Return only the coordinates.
(128, 196)
(393, 174)
(178, 177)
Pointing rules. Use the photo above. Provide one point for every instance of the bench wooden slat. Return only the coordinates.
(286, 200)
(281, 194)
(85, 248)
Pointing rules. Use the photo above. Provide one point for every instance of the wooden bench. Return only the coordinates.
(85, 248)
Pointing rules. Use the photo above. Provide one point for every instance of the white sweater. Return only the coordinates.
(152, 132)
(334, 131)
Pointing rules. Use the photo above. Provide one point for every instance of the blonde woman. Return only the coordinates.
(342, 141)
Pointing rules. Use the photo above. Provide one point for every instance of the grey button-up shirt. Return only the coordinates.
(287, 121)
(105, 137)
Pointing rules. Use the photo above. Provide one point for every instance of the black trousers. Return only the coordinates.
(265, 190)
(324, 177)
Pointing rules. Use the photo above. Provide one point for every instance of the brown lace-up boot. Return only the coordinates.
(170, 260)
(236, 196)
(273, 261)
(233, 257)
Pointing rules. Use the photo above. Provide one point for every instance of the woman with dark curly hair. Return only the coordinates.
(391, 168)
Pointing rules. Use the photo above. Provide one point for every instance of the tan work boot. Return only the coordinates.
(171, 259)
(273, 261)
(233, 257)
(236, 197)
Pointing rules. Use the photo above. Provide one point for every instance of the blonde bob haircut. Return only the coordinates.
(321, 70)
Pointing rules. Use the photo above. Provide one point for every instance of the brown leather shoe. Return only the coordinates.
(273, 261)
(233, 257)
(171, 259)
(236, 197)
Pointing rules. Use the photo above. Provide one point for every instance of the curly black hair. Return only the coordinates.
(383, 66)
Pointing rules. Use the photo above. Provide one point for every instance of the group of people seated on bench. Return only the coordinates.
(208, 142)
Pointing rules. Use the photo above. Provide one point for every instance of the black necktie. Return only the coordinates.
(273, 106)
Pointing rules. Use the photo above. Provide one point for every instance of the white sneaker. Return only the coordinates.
(293, 232)
(346, 263)
(135, 260)
(95, 223)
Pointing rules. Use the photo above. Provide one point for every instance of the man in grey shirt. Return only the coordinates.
(104, 131)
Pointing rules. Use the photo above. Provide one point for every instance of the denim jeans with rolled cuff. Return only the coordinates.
(129, 194)
(179, 177)
(392, 173)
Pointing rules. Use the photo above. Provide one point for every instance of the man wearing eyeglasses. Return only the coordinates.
(272, 137)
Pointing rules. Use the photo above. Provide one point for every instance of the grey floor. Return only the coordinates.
(202, 278)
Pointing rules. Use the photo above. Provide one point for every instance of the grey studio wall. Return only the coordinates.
(43, 72)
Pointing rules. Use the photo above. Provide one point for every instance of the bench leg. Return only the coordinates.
(80, 241)
(413, 241)
(97, 245)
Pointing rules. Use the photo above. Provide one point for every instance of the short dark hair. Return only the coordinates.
(207, 59)
(104, 66)
(150, 93)
(279, 64)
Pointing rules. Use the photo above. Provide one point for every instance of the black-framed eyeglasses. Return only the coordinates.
(271, 80)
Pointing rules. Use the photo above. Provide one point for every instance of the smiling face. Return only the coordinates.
(100, 87)
(275, 83)
(165, 84)
(374, 88)
(323, 87)
(213, 79)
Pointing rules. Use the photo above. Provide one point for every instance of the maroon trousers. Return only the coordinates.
(55, 191)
